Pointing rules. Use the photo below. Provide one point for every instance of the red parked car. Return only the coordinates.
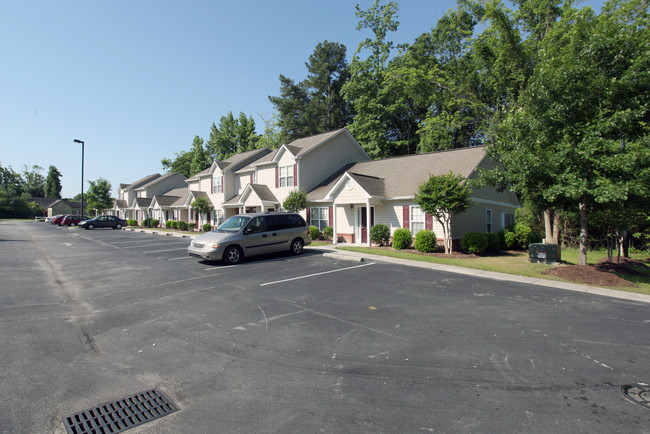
(72, 220)
(57, 219)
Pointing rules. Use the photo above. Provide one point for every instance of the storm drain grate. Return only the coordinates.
(638, 394)
(118, 416)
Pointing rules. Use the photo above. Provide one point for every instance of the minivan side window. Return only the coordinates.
(258, 224)
(278, 222)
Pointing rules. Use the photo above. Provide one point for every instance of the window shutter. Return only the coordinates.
(251, 178)
(295, 175)
(308, 216)
(428, 221)
(221, 184)
(277, 177)
(212, 184)
(406, 217)
(330, 222)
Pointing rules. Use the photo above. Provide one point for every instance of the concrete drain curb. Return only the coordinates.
(344, 257)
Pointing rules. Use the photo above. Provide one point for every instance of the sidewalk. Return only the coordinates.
(331, 252)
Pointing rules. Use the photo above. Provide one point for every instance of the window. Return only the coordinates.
(286, 176)
(217, 184)
(488, 220)
(508, 219)
(217, 216)
(319, 217)
(417, 220)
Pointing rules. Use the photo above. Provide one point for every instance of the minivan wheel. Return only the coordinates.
(296, 246)
(232, 255)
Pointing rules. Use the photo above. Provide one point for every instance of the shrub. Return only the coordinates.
(494, 243)
(380, 234)
(191, 226)
(426, 241)
(145, 222)
(173, 224)
(474, 242)
(328, 232)
(314, 232)
(153, 223)
(181, 225)
(132, 222)
(207, 227)
(402, 239)
(168, 224)
(519, 235)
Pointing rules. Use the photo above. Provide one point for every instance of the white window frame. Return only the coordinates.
(285, 176)
(418, 217)
(322, 214)
(217, 216)
(218, 186)
(488, 220)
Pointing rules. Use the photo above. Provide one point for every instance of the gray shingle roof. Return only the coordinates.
(159, 179)
(402, 176)
(140, 182)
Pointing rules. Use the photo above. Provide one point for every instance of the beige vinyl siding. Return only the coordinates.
(241, 181)
(344, 219)
(354, 195)
(266, 176)
(474, 219)
(391, 216)
(321, 162)
(205, 185)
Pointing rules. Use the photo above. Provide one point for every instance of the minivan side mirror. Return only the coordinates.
(248, 230)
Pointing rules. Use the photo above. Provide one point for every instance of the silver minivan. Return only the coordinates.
(252, 234)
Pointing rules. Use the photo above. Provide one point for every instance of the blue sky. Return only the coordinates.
(137, 80)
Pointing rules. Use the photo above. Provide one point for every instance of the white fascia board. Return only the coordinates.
(494, 202)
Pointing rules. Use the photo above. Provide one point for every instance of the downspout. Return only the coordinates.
(368, 222)
(334, 236)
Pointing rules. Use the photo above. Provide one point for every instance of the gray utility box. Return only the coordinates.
(544, 253)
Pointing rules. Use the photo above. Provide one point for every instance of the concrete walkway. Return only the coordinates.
(331, 251)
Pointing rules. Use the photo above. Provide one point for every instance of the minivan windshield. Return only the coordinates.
(233, 224)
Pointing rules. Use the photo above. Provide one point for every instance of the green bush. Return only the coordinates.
(402, 239)
(518, 236)
(474, 242)
(328, 232)
(153, 223)
(494, 243)
(207, 227)
(380, 234)
(314, 232)
(173, 224)
(132, 222)
(145, 222)
(183, 226)
(426, 241)
(168, 224)
(191, 226)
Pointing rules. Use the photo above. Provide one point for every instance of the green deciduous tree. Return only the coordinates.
(33, 181)
(443, 197)
(98, 197)
(53, 183)
(201, 205)
(295, 201)
(232, 136)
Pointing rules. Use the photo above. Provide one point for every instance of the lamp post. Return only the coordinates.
(82, 175)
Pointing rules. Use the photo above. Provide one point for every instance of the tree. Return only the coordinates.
(98, 197)
(201, 205)
(296, 201)
(234, 135)
(443, 197)
(372, 126)
(200, 159)
(560, 143)
(315, 105)
(34, 181)
(13, 199)
(53, 183)
(181, 164)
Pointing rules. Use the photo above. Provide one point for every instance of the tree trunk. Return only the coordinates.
(582, 256)
(552, 226)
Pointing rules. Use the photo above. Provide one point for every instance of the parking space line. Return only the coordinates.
(178, 259)
(165, 250)
(149, 245)
(315, 274)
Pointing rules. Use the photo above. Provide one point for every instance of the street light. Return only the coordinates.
(82, 175)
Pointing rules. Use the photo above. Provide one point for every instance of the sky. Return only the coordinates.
(137, 80)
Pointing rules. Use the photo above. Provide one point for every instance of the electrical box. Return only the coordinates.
(544, 253)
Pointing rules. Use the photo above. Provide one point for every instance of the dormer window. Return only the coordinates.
(217, 184)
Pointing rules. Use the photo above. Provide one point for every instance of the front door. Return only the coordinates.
(363, 218)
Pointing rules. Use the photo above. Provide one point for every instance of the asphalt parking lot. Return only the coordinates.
(303, 344)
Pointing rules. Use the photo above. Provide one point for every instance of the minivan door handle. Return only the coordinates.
(274, 234)
(264, 236)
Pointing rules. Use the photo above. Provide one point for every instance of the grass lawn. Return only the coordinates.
(517, 263)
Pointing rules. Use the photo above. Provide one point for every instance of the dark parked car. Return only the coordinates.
(103, 221)
(72, 220)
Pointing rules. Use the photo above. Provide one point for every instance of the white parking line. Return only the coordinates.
(315, 274)
(178, 259)
(148, 245)
(166, 250)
